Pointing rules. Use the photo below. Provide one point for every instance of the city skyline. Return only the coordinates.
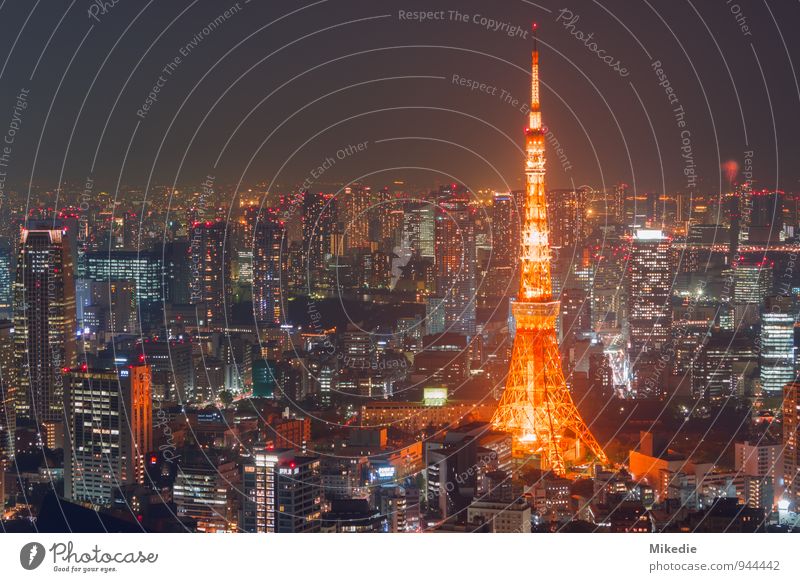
(358, 286)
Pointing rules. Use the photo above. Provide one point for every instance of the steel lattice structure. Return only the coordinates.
(536, 406)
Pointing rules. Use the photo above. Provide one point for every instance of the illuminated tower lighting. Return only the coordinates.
(536, 406)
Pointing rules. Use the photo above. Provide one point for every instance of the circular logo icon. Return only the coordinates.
(31, 555)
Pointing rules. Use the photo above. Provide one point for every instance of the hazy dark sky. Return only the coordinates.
(289, 83)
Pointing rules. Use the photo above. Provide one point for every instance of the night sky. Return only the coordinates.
(276, 87)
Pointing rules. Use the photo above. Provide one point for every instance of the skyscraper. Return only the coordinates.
(268, 268)
(319, 221)
(144, 268)
(456, 264)
(356, 202)
(109, 429)
(505, 242)
(791, 444)
(777, 355)
(565, 216)
(211, 275)
(8, 384)
(649, 291)
(44, 323)
(6, 283)
(282, 492)
(752, 282)
(177, 272)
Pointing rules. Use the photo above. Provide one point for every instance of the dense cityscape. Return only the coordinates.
(347, 349)
(388, 356)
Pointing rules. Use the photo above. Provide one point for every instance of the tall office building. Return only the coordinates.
(144, 268)
(386, 220)
(752, 283)
(777, 354)
(791, 443)
(456, 264)
(269, 268)
(356, 202)
(6, 284)
(419, 230)
(201, 492)
(211, 275)
(282, 492)
(723, 366)
(319, 221)
(565, 215)
(8, 384)
(44, 323)
(505, 231)
(177, 272)
(434, 316)
(109, 430)
(575, 320)
(607, 293)
(649, 290)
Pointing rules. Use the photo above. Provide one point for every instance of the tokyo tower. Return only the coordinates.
(536, 406)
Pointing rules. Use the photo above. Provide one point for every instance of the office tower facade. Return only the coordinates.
(505, 242)
(355, 203)
(649, 290)
(576, 319)
(419, 229)
(791, 443)
(8, 386)
(44, 323)
(282, 492)
(269, 268)
(200, 493)
(565, 215)
(456, 264)
(777, 354)
(723, 366)
(143, 268)
(6, 284)
(608, 297)
(109, 430)
(386, 220)
(177, 272)
(211, 275)
(119, 301)
(319, 222)
(752, 283)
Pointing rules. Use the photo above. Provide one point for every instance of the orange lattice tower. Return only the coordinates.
(536, 406)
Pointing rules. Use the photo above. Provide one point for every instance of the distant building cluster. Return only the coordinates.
(330, 361)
